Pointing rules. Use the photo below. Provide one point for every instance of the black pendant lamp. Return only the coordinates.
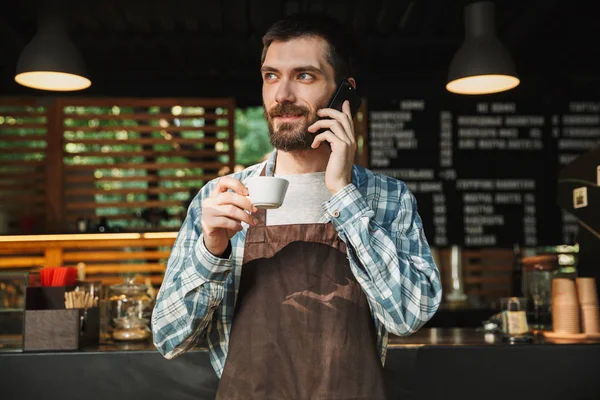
(51, 61)
(482, 65)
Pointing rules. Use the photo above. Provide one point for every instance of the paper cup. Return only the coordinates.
(590, 319)
(587, 292)
(564, 291)
(565, 318)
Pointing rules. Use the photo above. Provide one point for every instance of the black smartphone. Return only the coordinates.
(345, 91)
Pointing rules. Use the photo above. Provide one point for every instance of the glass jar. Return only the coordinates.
(130, 309)
(538, 273)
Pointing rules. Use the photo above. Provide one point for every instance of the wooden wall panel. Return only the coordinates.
(23, 143)
(141, 155)
(487, 274)
(108, 257)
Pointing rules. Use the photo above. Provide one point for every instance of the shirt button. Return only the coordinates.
(336, 214)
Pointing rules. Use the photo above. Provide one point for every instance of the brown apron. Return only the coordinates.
(302, 328)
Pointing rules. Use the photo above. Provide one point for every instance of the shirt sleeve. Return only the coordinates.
(192, 289)
(393, 264)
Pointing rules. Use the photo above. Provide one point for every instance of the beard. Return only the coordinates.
(290, 136)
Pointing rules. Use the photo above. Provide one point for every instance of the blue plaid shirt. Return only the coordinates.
(377, 218)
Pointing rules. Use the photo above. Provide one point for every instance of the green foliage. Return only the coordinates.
(251, 136)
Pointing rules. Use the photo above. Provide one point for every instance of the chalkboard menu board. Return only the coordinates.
(484, 172)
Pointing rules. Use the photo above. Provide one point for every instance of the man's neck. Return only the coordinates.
(302, 161)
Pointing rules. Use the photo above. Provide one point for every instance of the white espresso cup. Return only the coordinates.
(267, 191)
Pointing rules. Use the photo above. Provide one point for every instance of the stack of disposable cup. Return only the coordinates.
(588, 301)
(565, 306)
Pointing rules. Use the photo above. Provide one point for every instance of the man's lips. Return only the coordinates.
(288, 117)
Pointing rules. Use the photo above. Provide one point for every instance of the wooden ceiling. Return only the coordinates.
(212, 48)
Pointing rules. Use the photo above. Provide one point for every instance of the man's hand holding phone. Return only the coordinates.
(339, 133)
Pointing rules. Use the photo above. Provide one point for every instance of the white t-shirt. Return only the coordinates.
(303, 200)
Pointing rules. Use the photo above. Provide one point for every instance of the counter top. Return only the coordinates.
(426, 337)
(470, 337)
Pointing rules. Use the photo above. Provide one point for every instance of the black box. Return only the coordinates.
(49, 326)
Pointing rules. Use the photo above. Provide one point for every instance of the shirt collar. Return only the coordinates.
(270, 171)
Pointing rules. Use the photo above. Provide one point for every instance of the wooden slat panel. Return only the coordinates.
(88, 244)
(18, 101)
(22, 150)
(141, 146)
(491, 294)
(231, 117)
(23, 126)
(113, 280)
(155, 102)
(146, 128)
(143, 117)
(20, 163)
(24, 138)
(86, 179)
(17, 213)
(23, 114)
(23, 198)
(123, 268)
(122, 204)
(20, 186)
(114, 255)
(152, 153)
(147, 141)
(486, 279)
(478, 268)
(19, 209)
(491, 253)
(13, 252)
(20, 262)
(31, 176)
(72, 192)
(487, 273)
(22, 166)
(147, 166)
(113, 217)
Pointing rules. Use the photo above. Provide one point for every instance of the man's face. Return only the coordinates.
(297, 81)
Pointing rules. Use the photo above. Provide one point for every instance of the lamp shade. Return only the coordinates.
(51, 61)
(482, 65)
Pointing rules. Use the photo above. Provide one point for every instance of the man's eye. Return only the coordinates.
(305, 76)
(269, 76)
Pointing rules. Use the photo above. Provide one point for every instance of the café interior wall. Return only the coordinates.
(380, 92)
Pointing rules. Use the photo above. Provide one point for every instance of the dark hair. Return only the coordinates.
(340, 40)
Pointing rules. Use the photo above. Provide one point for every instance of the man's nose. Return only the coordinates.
(285, 92)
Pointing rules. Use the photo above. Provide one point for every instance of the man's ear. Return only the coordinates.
(352, 82)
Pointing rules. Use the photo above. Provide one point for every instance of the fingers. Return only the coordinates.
(213, 211)
(228, 183)
(344, 117)
(228, 224)
(327, 137)
(332, 125)
(242, 202)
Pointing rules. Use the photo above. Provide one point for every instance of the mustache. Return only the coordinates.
(287, 109)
